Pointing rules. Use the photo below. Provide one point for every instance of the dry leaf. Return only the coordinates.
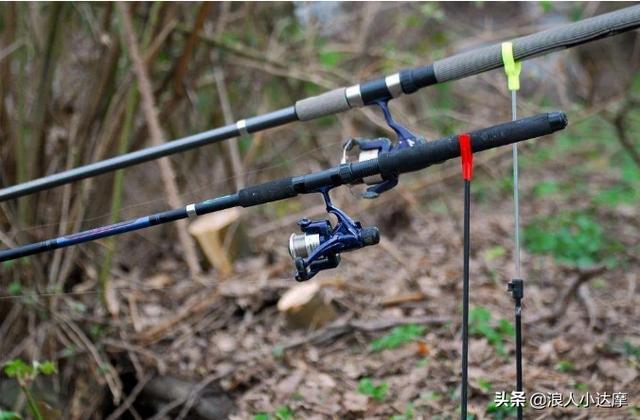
(355, 403)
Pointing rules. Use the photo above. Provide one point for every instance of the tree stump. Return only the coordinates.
(306, 306)
(221, 237)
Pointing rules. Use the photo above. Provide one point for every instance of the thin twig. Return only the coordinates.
(620, 124)
(130, 398)
(157, 137)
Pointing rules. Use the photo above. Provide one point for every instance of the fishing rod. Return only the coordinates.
(343, 99)
(319, 245)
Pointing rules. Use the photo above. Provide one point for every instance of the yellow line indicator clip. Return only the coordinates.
(511, 68)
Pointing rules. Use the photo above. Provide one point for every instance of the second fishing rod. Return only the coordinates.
(319, 245)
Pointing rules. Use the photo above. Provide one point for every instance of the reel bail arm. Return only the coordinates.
(372, 148)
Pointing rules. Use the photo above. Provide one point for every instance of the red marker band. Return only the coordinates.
(467, 156)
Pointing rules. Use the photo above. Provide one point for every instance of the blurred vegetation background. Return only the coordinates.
(71, 94)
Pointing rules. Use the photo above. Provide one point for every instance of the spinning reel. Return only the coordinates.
(371, 148)
(319, 245)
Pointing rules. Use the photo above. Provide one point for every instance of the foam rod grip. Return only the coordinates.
(438, 151)
(329, 103)
(489, 58)
(267, 192)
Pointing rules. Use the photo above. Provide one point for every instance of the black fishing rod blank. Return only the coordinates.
(342, 99)
(387, 165)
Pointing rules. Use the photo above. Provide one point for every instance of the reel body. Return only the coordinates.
(319, 245)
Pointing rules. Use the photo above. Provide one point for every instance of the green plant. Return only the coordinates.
(398, 337)
(627, 189)
(282, 413)
(330, 58)
(572, 238)
(25, 375)
(484, 385)
(500, 412)
(422, 362)
(277, 352)
(545, 188)
(630, 350)
(15, 288)
(407, 415)
(377, 392)
(494, 253)
(431, 396)
(564, 366)
(581, 387)
(546, 6)
(9, 415)
(480, 324)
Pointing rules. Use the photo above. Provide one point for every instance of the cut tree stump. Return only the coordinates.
(306, 306)
(221, 237)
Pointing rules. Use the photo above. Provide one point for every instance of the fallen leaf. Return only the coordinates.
(355, 403)
(291, 383)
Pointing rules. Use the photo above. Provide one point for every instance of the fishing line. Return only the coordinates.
(516, 285)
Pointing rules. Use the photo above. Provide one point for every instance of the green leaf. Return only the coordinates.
(501, 412)
(432, 10)
(630, 350)
(15, 288)
(564, 366)
(480, 324)
(546, 6)
(494, 253)
(431, 396)
(572, 238)
(377, 392)
(546, 188)
(398, 337)
(47, 368)
(9, 415)
(17, 368)
(484, 385)
(407, 415)
(284, 413)
(330, 58)
(261, 416)
(277, 352)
